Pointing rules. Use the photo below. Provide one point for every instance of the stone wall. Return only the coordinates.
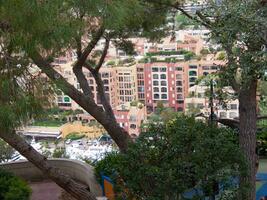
(79, 171)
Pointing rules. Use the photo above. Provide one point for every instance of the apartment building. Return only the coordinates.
(126, 84)
(198, 101)
(190, 43)
(130, 117)
(119, 84)
(169, 81)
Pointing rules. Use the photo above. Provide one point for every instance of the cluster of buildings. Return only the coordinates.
(149, 77)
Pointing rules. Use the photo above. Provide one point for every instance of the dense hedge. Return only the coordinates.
(75, 136)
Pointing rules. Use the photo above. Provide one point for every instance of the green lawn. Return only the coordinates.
(48, 123)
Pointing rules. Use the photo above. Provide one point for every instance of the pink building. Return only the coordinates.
(130, 118)
(190, 43)
(169, 82)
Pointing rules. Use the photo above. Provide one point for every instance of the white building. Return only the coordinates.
(198, 101)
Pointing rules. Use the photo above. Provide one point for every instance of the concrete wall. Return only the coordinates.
(79, 171)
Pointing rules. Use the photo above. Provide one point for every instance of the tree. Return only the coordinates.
(6, 151)
(240, 28)
(37, 32)
(80, 25)
(171, 159)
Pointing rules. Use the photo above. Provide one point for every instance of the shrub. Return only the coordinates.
(75, 136)
(170, 159)
(12, 187)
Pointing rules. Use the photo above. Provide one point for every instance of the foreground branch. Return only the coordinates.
(77, 190)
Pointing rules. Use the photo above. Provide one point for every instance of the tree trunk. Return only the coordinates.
(118, 134)
(247, 137)
(77, 190)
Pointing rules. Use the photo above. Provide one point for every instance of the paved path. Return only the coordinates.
(46, 190)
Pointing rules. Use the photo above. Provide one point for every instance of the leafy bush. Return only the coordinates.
(170, 159)
(12, 187)
(111, 62)
(75, 136)
(59, 153)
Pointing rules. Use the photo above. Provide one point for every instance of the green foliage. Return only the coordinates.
(12, 187)
(221, 56)
(75, 136)
(204, 51)
(184, 22)
(172, 158)
(167, 53)
(111, 62)
(108, 166)
(59, 153)
(189, 55)
(6, 151)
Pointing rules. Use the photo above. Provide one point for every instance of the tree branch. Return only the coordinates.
(84, 55)
(103, 56)
(83, 82)
(118, 134)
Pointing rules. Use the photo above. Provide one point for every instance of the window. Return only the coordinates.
(155, 76)
(192, 79)
(105, 75)
(141, 95)
(66, 99)
(214, 67)
(179, 69)
(205, 67)
(59, 99)
(140, 69)
(163, 89)
(192, 73)
(192, 66)
(133, 126)
(233, 106)
(205, 73)
(156, 96)
(91, 82)
(179, 96)
(163, 83)
(233, 115)
(156, 89)
(106, 88)
(163, 76)
(178, 76)
(105, 81)
(120, 78)
(140, 82)
(141, 89)
(179, 83)
(179, 89)
(164, 96)
(163, 69)
(223, 115)
(92, 88)
(155, 83)
(140, 76)
(155, 69)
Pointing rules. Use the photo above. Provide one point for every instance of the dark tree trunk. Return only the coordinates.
(247, 137)
(77, 190)
(105, 118)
